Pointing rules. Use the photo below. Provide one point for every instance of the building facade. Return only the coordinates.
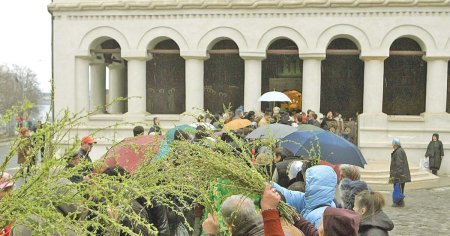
(383, 61)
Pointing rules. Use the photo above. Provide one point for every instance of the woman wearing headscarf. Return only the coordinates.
(399, 170)
(435, 152)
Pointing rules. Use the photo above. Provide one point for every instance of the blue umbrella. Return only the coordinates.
(328, 146)
(170, 135)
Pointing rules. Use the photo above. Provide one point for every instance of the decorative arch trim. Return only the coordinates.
(152, 37)
(282, 32)
(418, 34)
(447, 45)
(351, 32)
(215, 35)
(98, 35)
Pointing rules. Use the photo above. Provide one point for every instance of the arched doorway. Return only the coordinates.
(108, 78)
(282, 71)
(224, 77)
(405, 78)
(166, 87)
(342, 84)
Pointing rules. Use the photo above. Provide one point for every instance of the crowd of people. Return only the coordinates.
(328, 199)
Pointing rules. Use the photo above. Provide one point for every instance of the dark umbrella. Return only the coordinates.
(276, 131)
(328, 146)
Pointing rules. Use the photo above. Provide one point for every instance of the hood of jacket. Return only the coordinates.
(379, 220)
(319, 192)
(349, 189)
(320, 186)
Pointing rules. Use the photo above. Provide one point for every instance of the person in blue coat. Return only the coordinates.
(319, 193)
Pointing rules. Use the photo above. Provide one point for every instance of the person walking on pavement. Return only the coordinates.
(25, 156)
(399, 170)
(435, 153)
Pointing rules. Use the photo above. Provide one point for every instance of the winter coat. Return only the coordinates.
(25, 151)
(320, 190)
(435, 152)
(251, 227)
(155, 214)
(399, 171)
(376, 225)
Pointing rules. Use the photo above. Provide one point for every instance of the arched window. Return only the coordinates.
(166, 86)
(224, 77)
(405, 78)
(342, 84)
(108, 78)
(282, 71)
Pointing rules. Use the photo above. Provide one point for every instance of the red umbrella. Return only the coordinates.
(131, 152)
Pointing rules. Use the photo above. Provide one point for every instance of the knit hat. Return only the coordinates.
(396, 141)
(340, 222)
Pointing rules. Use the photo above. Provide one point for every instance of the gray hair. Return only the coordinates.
(237, 209)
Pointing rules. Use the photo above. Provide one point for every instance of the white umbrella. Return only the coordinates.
(274, 96)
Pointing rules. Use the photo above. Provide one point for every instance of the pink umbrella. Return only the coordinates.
(131, 152)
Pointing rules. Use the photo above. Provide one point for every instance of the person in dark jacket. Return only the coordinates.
(156, 128)
(86, 146)
(296, 179)
(374, 222)
(280, 175)
(435, 153)
(240, 216)
(399, 170)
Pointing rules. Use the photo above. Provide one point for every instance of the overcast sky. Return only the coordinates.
(25, 37)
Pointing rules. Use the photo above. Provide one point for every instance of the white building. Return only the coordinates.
(386, 59)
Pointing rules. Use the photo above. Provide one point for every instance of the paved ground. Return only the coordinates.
(4, 149)
(427, 212)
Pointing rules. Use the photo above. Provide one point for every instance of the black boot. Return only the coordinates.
(434, 172)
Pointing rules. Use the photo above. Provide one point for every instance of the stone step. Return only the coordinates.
(376, 174)
(384, 173)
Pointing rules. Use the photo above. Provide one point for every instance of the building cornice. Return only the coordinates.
(82, 5)
(318, 13)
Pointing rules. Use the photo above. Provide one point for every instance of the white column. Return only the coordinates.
(252, 84)
(373, 84)
(137, 88)
(194, 83)
(82, 83)
(311, 83)
(117, 87)
(436, 93)
(98, 87)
